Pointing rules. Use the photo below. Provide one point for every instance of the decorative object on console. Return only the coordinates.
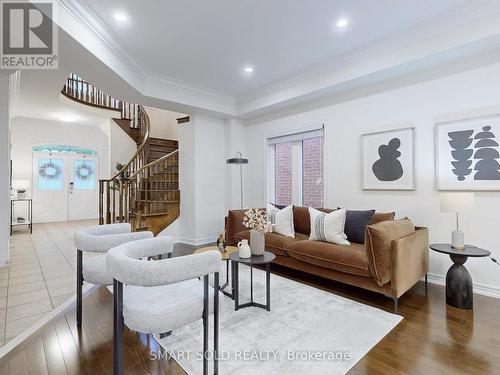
(281, 220)
(467, 154)
(388, 160)
(239, 160)
(457, 202)
(21, 193)
(328, 227)
(221, 242)
(244, 249)
(257, 242)
(355, 224)
(256, 221)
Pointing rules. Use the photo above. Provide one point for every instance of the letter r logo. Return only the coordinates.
(27, 28)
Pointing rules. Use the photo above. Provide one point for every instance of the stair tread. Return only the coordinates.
(155, 214)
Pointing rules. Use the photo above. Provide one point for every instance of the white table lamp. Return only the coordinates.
(456, 202)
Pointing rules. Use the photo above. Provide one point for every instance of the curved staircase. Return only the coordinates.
(145, 192)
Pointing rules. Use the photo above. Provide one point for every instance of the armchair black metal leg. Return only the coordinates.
(117, 328)
(426, 282)
(216, 323)
(205, 325)
(79, 286)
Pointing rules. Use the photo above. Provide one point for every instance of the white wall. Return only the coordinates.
(28, 132)
(121, 147)
(4, 169)
(419, 104)
(164, 123)
(202, 180)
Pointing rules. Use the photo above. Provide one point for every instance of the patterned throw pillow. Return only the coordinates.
(282, 220)
(328, 227)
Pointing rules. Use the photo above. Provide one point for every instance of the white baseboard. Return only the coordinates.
(196, 241)
(482, 289)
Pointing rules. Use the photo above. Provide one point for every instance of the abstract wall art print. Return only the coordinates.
(388, 160)
(468, 154)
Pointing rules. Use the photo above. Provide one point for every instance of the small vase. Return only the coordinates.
(257, 242)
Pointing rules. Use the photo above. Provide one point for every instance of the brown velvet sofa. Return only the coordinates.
(395, 255)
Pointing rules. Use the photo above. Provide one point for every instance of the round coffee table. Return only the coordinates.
(458, 279)
(264, 259)
(225, 257)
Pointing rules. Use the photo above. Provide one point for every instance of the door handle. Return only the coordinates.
(71, 185)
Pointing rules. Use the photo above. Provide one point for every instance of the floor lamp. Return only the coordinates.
(239, 160)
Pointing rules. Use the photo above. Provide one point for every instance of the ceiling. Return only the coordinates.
(39, 97)
(206, 44)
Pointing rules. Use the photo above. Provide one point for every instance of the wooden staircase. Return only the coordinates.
(145, 192)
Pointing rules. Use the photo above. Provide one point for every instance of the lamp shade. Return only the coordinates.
(457, 202)
(237, 160)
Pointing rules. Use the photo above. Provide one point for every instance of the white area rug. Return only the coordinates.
(308, 331)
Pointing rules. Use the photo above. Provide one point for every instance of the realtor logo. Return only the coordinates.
(29, 35)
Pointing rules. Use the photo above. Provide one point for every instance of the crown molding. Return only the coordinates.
(471, 23)
(454, 35)
(147, 83)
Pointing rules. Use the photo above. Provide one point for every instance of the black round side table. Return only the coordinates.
(458, 279)
(264, 259)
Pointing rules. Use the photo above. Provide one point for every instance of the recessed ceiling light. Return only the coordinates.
(120, 16)
(248, 69)
(342, 22)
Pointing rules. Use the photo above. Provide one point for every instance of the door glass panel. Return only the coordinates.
(84, 175)
(50, 174)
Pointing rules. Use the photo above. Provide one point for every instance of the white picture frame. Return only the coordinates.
(388, 159)
(467, 154)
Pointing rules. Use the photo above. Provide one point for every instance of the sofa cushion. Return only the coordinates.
(382, 216)
(328, 227)
(345, 258)
(301, 221)
(355, 223)
(379, 239)
(282, 220)
(275, 243)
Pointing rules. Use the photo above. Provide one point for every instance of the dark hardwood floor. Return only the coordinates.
(432, 339)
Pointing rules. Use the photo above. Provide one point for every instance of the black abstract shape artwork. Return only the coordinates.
(487, 166)
(460, 141)
(388, 167)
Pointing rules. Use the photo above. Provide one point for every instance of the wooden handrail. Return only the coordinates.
(153, 163)
(140, 150)
(144, 194)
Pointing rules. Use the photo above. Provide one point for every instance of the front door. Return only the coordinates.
(64, 187)
(83, 194)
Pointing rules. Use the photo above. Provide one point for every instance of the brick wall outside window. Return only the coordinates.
(312, 172)
(283, 173)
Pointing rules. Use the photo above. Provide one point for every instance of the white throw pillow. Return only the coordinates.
(282, 220)
(328, 227)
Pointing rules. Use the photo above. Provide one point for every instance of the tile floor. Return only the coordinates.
(39, 276)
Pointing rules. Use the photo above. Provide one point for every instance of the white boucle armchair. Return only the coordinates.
(162, 295)
(99, 239)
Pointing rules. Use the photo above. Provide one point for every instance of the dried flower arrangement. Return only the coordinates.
(256, 219)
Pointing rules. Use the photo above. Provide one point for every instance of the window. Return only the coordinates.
(297, 168)
(84, 178)
(312, 172)
(50, 174)
(283, 173)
